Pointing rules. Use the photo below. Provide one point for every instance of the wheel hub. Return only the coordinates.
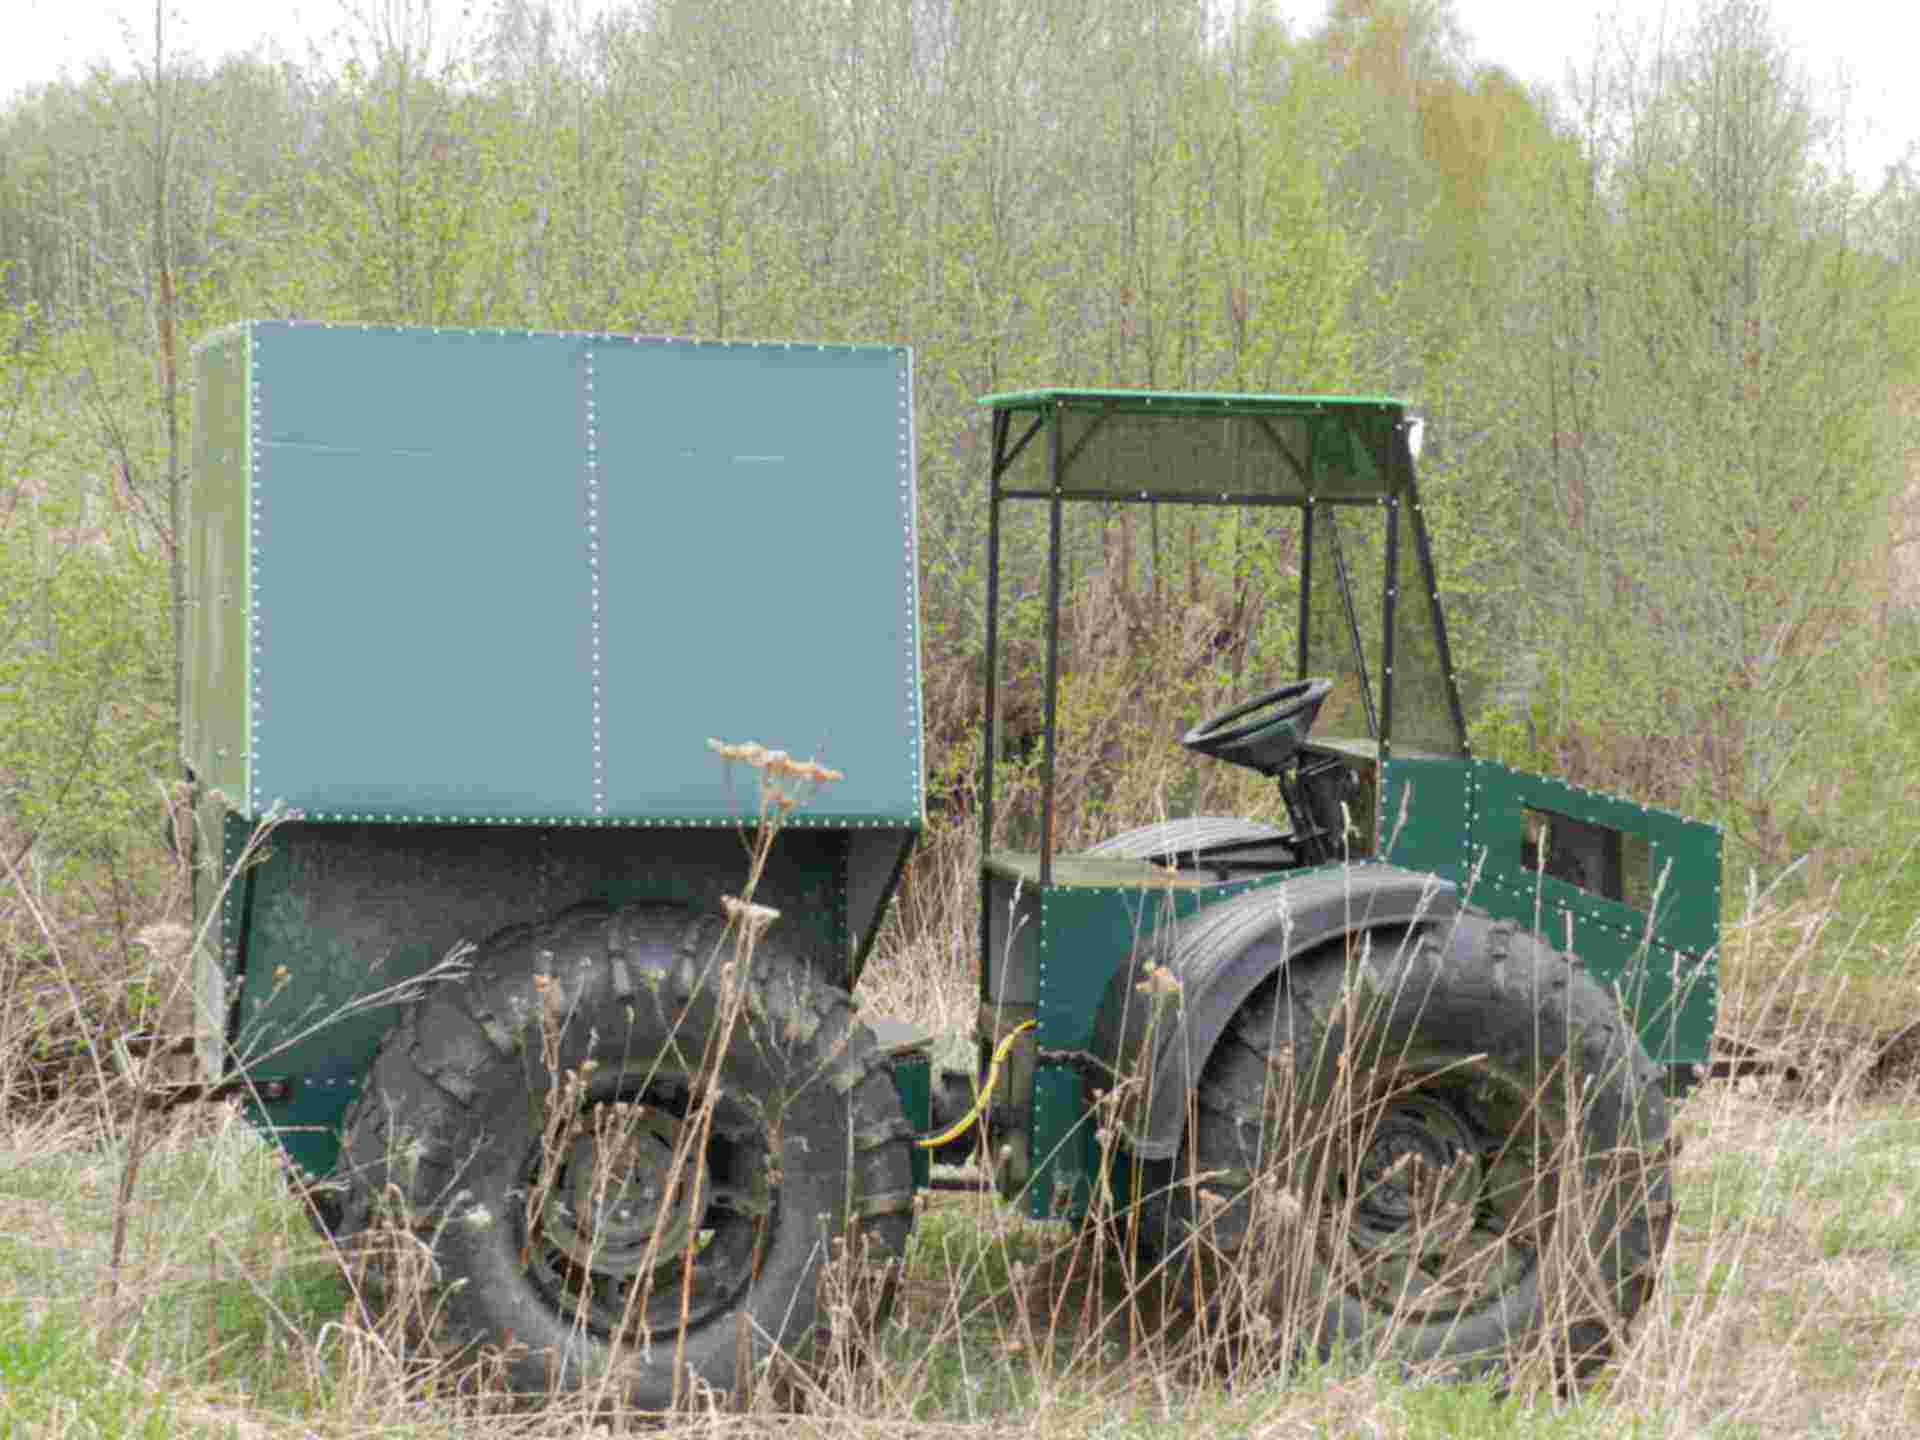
(617, 1197)
(1420, 1160)
(616, 1235)
(1427, 1226)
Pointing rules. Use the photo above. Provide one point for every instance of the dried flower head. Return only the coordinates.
(747, 912)
(1157, 979)
(775, 763)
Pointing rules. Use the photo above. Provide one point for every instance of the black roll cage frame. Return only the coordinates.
(1048, 410)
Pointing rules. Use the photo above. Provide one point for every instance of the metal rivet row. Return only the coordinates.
(255, 711)
(593, 592)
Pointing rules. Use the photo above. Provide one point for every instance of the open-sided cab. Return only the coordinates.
(1367, 745)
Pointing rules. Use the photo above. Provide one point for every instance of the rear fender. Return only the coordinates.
(1165, 1010)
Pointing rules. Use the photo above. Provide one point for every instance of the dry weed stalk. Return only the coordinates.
(572, 1128)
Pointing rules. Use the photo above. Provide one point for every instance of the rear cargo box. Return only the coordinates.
(471, 576)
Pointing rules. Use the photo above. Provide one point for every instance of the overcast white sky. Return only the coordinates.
(1875, 42)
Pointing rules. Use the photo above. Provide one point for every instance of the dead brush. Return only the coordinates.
(617, 1185)
(1811, 1013)
(83, 965)
(1576, 1212)
(387, 1353)
(844, 1374)
(1775, 1319)
(1340, 1238)
(94, 960)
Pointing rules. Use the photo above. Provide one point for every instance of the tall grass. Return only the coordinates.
(1785, 1308)
(1786, 1312)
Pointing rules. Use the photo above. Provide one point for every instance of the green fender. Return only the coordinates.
(1157, 1030)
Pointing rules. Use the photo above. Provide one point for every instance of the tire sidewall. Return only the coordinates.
(773, 1067)
(1478, 995)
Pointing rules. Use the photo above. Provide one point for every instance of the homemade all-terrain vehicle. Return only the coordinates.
(469, 607)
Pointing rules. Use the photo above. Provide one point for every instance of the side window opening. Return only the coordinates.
(1613, 864)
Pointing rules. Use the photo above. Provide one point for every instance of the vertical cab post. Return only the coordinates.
(1051, 696)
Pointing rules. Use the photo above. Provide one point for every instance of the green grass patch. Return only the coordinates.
(26, 1268)
(1856, 1192)
(973, 1250)
(1477, 1412)
(52, 1379)
(223, 1283)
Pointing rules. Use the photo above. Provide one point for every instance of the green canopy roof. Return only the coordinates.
(1202, 448)
(1199, 401)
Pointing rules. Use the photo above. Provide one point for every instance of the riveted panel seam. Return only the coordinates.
(595, 651)
(250, 585)
(909, 469)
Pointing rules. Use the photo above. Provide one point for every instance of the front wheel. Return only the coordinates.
(630, 1149)
(1447, 1147)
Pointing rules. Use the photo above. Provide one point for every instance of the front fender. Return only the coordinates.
(1164, 1011)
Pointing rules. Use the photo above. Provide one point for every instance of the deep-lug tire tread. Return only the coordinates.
(1474, 965)
(412, 1133)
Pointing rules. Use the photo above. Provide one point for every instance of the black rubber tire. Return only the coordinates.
(807, 1133)
(1447, 1035)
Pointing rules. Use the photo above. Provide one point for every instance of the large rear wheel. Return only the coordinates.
(631, 1150)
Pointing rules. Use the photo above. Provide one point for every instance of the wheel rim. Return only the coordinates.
(641, 1214)
(1436, 1201)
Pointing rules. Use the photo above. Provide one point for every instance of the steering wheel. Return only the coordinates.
(1265, 730)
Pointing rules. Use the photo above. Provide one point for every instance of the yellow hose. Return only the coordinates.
(960, 1126)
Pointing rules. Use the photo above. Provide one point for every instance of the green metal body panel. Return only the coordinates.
(455, 576)
(913, 1083)
(1056, 949)
(335, 913)
(1654, 941)
(1065, 1149)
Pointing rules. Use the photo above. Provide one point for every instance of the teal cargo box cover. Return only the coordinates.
(501, 577)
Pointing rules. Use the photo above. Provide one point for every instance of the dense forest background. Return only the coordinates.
(1666, 338)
